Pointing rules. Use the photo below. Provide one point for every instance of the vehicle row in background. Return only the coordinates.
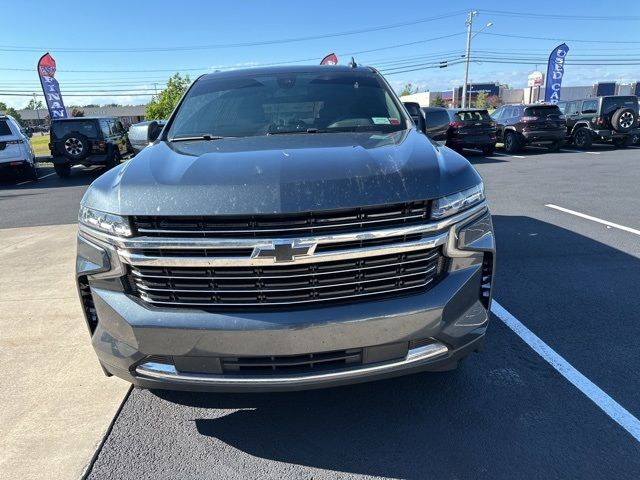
(455, 127)
(16, 154)
(606, 119)
(87, 141)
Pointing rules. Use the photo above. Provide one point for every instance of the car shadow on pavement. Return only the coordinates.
(504, 413)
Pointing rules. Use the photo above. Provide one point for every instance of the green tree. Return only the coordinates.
(481, 100)
(13, 113)
(3, 106)
(409, 89)
(33, 105)
(494, 101)
(161, 107)
(77, 112)
(437, 101)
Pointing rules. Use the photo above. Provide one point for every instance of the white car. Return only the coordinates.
(16, 153)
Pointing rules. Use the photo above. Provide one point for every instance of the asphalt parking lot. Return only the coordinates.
(507, 413)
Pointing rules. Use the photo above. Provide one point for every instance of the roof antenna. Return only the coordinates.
(353, 63)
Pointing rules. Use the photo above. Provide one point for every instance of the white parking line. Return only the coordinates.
(579, 151)
(507, 155)
(25, 182)
(594, 219)
(598, 396)
(47, 175)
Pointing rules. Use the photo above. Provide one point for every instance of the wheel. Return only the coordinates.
(623, 120)
(114, 160)
(488, 150)
(62, 169)
(554, 147)
(582, 138)
(76, 146)
(622, 142)
(33, 172)
(511, 142)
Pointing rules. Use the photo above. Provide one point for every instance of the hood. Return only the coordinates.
(280, 174)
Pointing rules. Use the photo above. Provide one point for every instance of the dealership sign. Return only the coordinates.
(555, 72)
(535, 79)
(50, 87)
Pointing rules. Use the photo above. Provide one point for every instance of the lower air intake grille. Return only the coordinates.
(306, 363)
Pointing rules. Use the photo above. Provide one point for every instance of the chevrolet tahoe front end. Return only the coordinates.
(314, 254)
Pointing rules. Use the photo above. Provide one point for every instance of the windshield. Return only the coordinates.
(472, 116)
(62, 128)
(253, 105)
(542, 111)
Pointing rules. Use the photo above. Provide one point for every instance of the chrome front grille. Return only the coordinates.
(214, 273)
(289, 284)
(285, 225)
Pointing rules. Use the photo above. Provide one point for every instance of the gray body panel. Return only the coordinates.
(280, 174)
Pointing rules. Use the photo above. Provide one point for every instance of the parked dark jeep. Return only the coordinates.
(87, 141)
(602, 119)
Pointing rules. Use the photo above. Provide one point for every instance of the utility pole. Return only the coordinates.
(35, 105)
(469, 23)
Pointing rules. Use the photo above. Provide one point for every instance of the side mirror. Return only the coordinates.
(154, 132)
(416, 114)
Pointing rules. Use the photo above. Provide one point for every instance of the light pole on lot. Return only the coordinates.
(469, 24)
(35, 104)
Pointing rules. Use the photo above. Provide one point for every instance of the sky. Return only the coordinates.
(121, 52)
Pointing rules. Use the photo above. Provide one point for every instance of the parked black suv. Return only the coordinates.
(538, 124)
(87, 141)
(471, 128)
(602, 119)
(455, 127)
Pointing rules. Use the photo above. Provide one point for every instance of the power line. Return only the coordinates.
(556, 39)
(503, 13)
(16, 48)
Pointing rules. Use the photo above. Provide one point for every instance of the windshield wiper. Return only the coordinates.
(308, 130)
(196, 137)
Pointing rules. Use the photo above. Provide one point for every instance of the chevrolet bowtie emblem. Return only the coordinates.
(284, 251)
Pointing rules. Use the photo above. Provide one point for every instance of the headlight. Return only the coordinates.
(457, 202)
(105, 222)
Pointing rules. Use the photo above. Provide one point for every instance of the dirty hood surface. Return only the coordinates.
(280, 174)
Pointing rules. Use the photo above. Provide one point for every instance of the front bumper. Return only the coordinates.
(149, 346)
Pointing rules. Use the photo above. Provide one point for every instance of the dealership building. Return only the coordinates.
(128, 114)
(533, 93)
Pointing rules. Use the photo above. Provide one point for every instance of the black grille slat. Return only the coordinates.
(383, 276)
(285, 225)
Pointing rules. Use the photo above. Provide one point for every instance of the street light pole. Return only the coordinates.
(35, 104)
(469, 24)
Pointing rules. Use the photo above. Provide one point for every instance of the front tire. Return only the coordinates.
(511, 142)
(62, 169)
(114, 160)
(554, 147)
(582, 139)
(488, 150)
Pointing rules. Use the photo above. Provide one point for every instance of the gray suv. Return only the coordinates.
(291, 228)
